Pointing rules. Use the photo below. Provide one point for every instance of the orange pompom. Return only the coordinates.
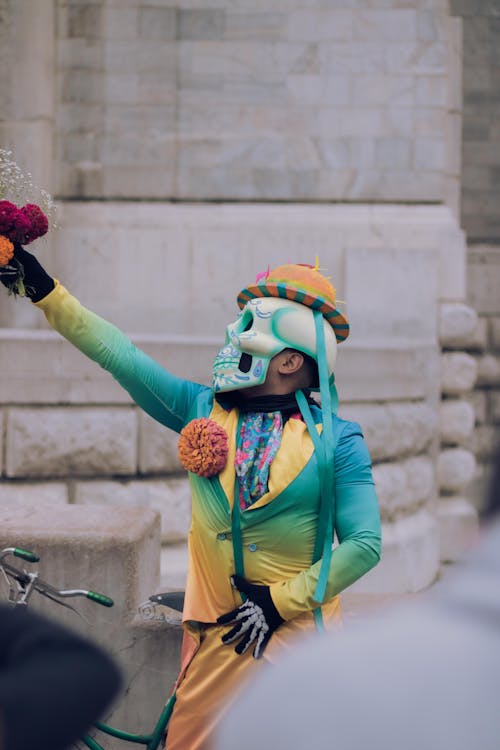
(203, 447)
(6, 250)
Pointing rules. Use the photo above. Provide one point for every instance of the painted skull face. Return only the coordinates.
(265, 327)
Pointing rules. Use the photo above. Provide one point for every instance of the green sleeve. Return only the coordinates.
(167, 398)
(357, 526)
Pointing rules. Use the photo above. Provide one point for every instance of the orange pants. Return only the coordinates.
(212, 675)
(211, 681)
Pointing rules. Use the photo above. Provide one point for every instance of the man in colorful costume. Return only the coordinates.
(272, 476)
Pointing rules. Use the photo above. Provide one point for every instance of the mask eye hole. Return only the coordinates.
(245, 322)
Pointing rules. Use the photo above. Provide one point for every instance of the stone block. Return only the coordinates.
(431, 91)
(166, 234)
(455, 469)
(1, 441)
(488, 370)
(479, 490)
(458, 527)
(157, 448)
(81, 86)
(61, 369)
(457, 324)
(430, 154)
(120, 23)
(387, 375)
(495, 332)
(410, 557)
(485, 442)
(115, 554)
(393, 153)
(385, 24)
(483, 275)
(457, 420)
(60, 442)
(170, 497)
(81, 180)
(495, 406)
(173, 566)
(459, 372)
(246, 25)
(393, 430)
(158, 24)
(416, 57)
(403, 486)
(86, 54)
(81, 21)
(479, 402)
(137, 181)
(28, 92)
(478, 340)
(319, 25)
(202, 24)
(125, 57)
(430, 25)
(39, 495)
(406, 287)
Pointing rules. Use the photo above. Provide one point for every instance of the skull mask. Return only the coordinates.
(265, 327)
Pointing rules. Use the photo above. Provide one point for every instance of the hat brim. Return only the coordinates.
(334, 317)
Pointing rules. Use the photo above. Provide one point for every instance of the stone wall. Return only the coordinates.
(481, 117)
(73, 430)
(483, 293)
(262, 101)
(216, 141)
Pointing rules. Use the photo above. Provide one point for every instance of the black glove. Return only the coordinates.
(37, 283)
(255, 620)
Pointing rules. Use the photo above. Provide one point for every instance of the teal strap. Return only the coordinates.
(239, 565)
(327, 480)
(318, 619)
(305, 410)
(325, 451)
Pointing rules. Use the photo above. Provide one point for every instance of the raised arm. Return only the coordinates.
(167, 398)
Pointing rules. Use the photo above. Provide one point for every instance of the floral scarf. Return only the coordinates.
(256, 445)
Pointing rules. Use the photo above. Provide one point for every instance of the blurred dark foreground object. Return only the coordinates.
(53, 682)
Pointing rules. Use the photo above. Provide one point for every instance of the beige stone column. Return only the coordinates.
(27, 82)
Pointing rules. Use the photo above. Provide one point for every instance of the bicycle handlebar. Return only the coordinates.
(28, 581)
(24, 554)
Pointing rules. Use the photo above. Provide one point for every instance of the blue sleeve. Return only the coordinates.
(357, 525)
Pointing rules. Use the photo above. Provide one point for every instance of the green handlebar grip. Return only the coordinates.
(26, 555)
(100, 599)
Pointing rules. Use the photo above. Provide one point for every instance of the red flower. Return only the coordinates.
(203, 447)
(38, 222)
(10, 219)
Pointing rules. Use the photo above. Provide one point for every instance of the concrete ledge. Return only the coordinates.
(115, 553)
(93, 548)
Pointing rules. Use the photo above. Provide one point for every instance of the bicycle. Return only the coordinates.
(23, 583)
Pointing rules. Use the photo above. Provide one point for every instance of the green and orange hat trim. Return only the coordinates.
(301, 283)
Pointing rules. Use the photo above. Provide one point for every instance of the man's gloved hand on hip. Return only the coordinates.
(37, 282)
(254, 621)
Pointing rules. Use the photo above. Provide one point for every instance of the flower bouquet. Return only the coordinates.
(22, 220)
